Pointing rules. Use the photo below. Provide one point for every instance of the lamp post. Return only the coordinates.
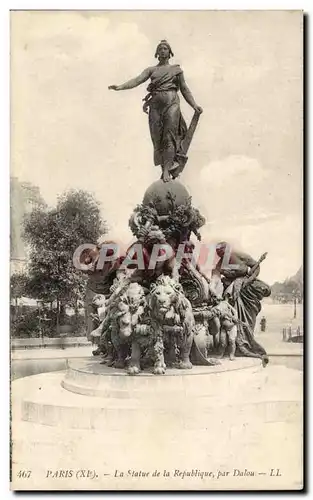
(39, 305)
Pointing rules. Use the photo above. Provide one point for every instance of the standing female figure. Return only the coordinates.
(167, 125)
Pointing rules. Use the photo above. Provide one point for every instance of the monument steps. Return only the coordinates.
(245, 407)
(193, 397)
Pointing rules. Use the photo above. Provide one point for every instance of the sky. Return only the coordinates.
(245, 162)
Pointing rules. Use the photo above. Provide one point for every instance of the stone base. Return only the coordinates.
(90, 378)
(233, 416)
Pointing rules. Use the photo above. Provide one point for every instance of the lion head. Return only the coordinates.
(167, 300)
(133, 297)
(130, 308)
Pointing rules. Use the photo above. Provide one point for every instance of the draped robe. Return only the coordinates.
(166, 123)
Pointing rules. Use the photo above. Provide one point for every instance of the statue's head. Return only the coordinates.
(135, 294)
(163, 50)
(98, 300)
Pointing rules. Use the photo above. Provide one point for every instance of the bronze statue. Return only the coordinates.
(168, 129)
(244, 291)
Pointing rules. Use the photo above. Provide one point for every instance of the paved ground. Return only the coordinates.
(53, 353)
(246, 420)
(27, 362)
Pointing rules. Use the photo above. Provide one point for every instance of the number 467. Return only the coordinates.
(25, 474)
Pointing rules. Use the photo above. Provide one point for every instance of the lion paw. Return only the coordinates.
(105, 362)
(159, 369)
(185, 365)
(119, 363)
(214, 361)
(133, 370)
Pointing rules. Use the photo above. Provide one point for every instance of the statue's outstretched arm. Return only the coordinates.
(134, 82)
(186, 92)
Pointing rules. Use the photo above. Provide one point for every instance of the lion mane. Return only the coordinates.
(169, 305)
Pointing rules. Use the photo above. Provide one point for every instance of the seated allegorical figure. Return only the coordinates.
(244, 290)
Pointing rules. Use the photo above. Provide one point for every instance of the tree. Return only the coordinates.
(53, 236)
(18, 285)
(290, 288)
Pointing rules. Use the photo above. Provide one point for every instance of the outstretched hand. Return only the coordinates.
(113, 87)
(198, 109)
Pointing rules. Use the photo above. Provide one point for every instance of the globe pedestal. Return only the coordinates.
(159, 191)
(231, 417)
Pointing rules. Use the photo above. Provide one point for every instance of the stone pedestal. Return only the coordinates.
(228, 418)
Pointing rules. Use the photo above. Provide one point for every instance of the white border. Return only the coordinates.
(4, 251)
(158, 5)
(5, 6)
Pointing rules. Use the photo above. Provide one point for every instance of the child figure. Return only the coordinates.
(228, 332)
(97, 316)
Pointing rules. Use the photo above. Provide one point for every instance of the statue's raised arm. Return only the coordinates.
(186, 92)
(168, 129)
(134, 82)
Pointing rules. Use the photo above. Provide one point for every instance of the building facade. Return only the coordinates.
(24, 197)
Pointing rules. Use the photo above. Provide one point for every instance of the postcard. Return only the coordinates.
(156, 305)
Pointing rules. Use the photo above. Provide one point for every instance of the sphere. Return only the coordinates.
(157, 192)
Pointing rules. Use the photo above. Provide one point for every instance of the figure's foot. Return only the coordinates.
(96, 352)
(176, 170)
(265, 361)
(133, 370)
(166, 176)
(232, 357)
(159, 369)
(185, 365)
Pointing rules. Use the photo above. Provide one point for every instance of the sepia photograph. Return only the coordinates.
(156, 250)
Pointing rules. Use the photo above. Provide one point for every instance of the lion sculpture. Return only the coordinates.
(172, 324)
(158, 326)
(119, 325)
